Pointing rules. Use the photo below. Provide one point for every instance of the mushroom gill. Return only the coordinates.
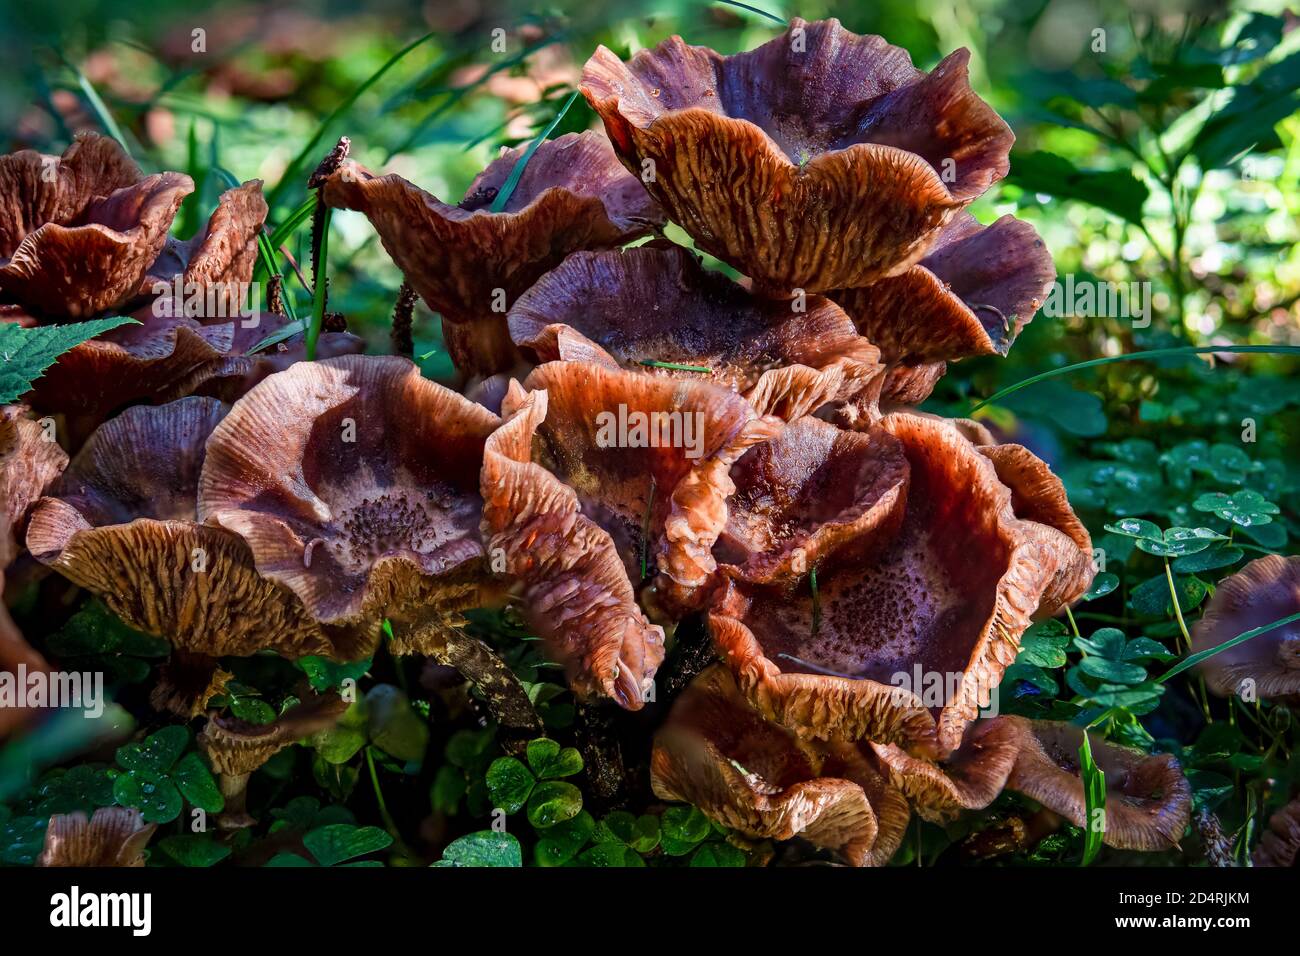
(112, 837)
(576, 589)
(79, 231)
(820, 160)
(1148, 800)
(121, 522)
(756, 777)
(655, 309)
(1267, 666)
(1280, 844)
(470, 262)
(971, 294)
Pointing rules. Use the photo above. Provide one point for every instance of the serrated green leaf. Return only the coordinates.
(25, 354)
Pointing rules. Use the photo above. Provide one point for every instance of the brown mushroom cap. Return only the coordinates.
(179, 346)
(78, 232)
(819, 160)
(681, 439)
(948, 596)
(30, 461)
(576, 588)
(238, 747)
(971, 294)
(1148, 800)
(355, 484)
(1280, 844)
(1263, 591)
(121, 523)
(811, 490)
(968, 779)
(572, 195)
(717, 753)
(656, 303)
(222, 256)
(114, 836)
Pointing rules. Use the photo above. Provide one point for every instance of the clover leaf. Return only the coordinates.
(157, 780)
(1245, 508)
(484, 848)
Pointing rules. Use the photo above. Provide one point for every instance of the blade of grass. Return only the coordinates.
(761, 13)
(1137, 357)
(655, 363)
(508, 188)
(293, 172)
(1094, 797)
(97, 105)
(1193, 659)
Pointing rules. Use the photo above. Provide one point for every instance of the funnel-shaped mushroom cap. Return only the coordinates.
(810, 491)
(199, 324)
(1148, 800)
(656, 304)
(219, 261)
(237, 747)
(573, 195)
(355, 483)
(78, 232)
(30, 460)
(717, 753)
(648, 452)
(969, 779)
(937, 611)
(163, 358)
(974, 291)
(114, 836)
(819, 160)
(1280, 844)
(121, 523)
(1267, 666)
(576, 588)
(1038, 498)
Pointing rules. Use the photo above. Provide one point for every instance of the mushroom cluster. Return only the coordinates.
(639, 439)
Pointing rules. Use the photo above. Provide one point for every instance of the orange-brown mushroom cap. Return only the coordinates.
(807, 493)
(1280, 844)
(576, 589)
(1267, 666)
(656, 304)
(355, 484)
(970, 778)
(756, 777)
(572, 195)
(971, 294)
(30, 461)
(114, 836)
(1148, 800)
(820, 160)
(121, 522)
(78, 232)
(944, 600)
(644, 451)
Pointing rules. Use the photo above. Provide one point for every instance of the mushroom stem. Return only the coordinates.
(478, 663)
(187, 682)
(234, 790)
(601, 752)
